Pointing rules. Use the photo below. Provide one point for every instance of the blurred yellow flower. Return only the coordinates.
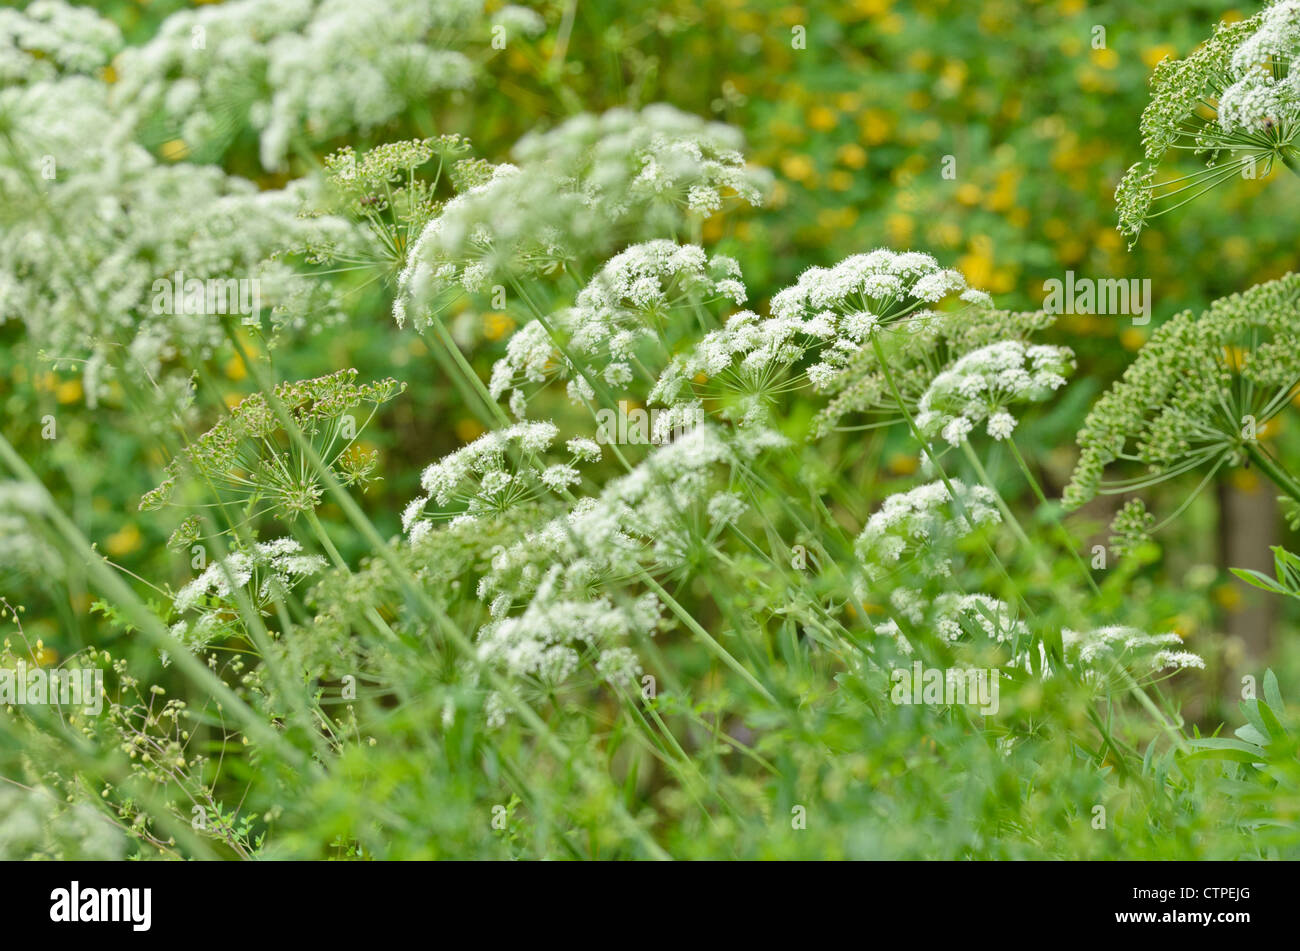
(822, 118)
(497, 324)
(1132, 338)
(175, 150)
(798, 168)
(876, 125)
(1228, 596)
(69, 391)
(852, 155)
(1151, 55)
(899, 227)
(468, 429)
(123, 542)
(901, 463)
(1106, 58)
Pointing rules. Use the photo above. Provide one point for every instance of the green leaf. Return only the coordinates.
(1213, 748)
(1250, 708)
(1259, 580)
(1272, 693)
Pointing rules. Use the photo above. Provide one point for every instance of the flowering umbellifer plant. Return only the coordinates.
(666, 509)
(1234, 103)
(248, 461)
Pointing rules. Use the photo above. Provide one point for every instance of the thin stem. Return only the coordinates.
(1066, 538)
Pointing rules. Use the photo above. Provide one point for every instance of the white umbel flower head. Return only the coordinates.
(980, 386)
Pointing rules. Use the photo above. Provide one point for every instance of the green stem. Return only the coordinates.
(1007, 514)
(1281, 478)
(1066, 539)
(722, 653)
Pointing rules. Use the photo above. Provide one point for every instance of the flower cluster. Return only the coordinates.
(248, 457)
(89, 246)
(1233, 94)
(954, 618)
(577, 192)
(923, 523)
(268, 569)
(1199, 392)
(918, 353)
(982, 384)
(572, 575)
(495, 472)
(51, 38)
(302, 72)
(828, 315)
(1266, 93)
(623, 321)
(1102, 652)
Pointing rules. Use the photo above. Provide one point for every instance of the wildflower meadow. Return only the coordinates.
(731, 429)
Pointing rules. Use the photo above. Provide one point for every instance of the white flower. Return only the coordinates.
(922, 521)
(275, 566)
(577, 192)
(983, 383)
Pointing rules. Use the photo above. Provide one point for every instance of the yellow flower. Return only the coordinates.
(891, 24)
(852, 155)
(1151, 55)
(123, 542)
(978, 268)
(822, 118)
(946, 234)
(1132, 338)
(1106, 58)
(175, 150)
(467, 429)
(1245, 480)
(235, 369)
(840, 180)
(1228, 596)
(968, 194)
(69, 391)
(899, 227)
(837, 219)
(798, 168)
(1108, 239)
(496, 325)
(901, 463)
(876, 125)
